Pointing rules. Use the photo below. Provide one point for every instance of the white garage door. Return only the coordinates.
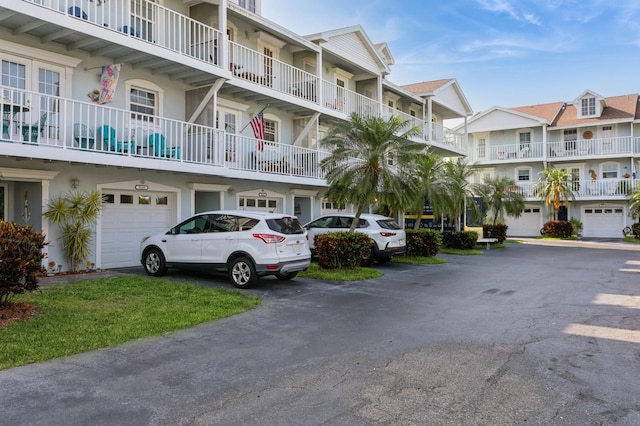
(127, 217)
(603, 222)
(527, 225)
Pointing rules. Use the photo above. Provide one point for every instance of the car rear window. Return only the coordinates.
(285, 225)
(388, 224)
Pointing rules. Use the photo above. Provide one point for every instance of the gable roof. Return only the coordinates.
(548, 112)
(385, 53)
(326, 38)
(618, 108)
(427, 87)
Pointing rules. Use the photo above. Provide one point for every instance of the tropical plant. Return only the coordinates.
(634, 202)
(371, 162)
(502, 197)
(554, 187)
(456, 191)
(20, 259)
(75, 213)
(429, 171)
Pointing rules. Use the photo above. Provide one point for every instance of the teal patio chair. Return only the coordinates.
(158, 146)
(31, 133)
(111, 143)
(83, 136)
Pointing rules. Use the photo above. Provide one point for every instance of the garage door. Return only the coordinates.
(603, 222)
(127, 217)
(527, 225)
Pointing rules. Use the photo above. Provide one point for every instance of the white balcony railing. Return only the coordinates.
(147, 21)
(55, 122)
(590, 147)
(586, 189)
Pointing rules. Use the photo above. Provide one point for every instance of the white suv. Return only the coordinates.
(247, 245)
(390, 239)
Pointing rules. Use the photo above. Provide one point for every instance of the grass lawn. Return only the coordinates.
(461, 252)
(633, 240)
(358, 274)
(418, 260)
(93, 314)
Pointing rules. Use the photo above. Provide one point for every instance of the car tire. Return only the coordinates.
(242, 273)
(384, 259)
(287, 276)
(154, 262)
(368, 261)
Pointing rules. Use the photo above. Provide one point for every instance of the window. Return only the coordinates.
(524, 175)
(588, 107)
(141, 102)
(270, 130)
(250, 5)
(609, 171)
(481, 146)
(570, 136)
(524, 139)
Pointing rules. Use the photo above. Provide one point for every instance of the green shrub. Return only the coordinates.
(20, 259)
(498, 231)
(635, 229)
(576, 226)
(342, 250)
(423, 242)
(558, 229)
(461, 240)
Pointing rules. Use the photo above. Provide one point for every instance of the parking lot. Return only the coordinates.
(531, 334)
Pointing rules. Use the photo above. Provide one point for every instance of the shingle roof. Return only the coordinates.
(426, 86)
(546, 111)
(617, 108)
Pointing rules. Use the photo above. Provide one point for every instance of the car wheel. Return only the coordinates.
(242, 273)
(384, 259)
(287, 276)
(154, 262)
(368, 261)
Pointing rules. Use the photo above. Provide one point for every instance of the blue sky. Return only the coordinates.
(502, 52)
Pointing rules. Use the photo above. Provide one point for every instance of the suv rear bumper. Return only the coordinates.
(389, 252)
(284, 267)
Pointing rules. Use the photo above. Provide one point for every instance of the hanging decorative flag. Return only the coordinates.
(257, 124)
(108, 83)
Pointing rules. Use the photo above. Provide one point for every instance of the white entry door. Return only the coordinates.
(129, 216)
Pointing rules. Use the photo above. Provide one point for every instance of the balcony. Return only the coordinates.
(604, 147)
(509, 153)
(104, 135)
(589, 189)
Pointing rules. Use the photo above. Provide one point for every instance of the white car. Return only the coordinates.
(245, 244)
(390, 239)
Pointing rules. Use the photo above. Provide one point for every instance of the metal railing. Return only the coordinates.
(51, 121)
(588, 188)
(147, 21)
(589, 147)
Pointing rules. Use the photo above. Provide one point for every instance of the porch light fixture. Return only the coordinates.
(74, 182)
(141, 187)
(262, 194)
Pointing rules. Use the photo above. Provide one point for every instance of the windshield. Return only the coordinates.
(388, 224)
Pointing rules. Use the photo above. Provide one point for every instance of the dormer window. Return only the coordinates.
(588, 107)
(250, 5)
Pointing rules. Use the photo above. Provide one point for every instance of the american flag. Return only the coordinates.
(257, 124)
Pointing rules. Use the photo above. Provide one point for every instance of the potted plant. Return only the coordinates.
(52, 267)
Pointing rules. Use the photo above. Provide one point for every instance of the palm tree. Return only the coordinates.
(371, 161)
(429, 171)
(634, 203)
(502, 197)
(457, 192)
(554, 186)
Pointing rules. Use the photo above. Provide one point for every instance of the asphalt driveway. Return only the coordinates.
(532, 334)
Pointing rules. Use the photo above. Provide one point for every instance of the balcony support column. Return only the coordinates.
(428, 120)
(223, 41)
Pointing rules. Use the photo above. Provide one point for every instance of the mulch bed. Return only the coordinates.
(15, 311)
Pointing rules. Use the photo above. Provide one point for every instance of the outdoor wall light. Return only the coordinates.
(142, 187)
(74, 182)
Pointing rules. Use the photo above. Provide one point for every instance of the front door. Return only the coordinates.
(562, 213)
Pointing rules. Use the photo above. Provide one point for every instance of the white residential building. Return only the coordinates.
(594, 137)
(150, 103)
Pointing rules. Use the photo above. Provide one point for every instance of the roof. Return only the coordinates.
(426, 87)
(618, 108)
(548, 112)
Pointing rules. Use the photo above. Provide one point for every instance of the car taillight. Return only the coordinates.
(387, 234)
(269, 238)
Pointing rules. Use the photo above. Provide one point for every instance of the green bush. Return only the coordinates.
(576, 226)
(460, 240)
(342, 250)
(498, 231)
(20, 259)
(635, 229)
(423, 242)
(558, 229)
